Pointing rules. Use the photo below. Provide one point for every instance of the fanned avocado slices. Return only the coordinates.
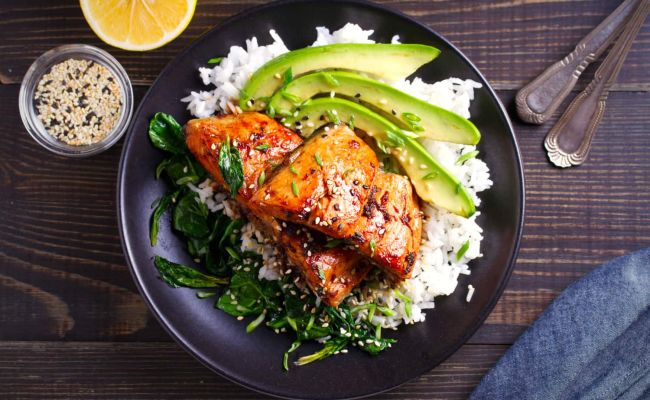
(432, 182)
(391, 62)
(405, 111)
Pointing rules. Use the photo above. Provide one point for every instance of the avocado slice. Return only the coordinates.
(391, 62)
(432, 182)
(407, 111)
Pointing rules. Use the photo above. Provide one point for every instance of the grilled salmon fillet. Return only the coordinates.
(323, 185)
(389, 229)
(330, 273)
(263, 143)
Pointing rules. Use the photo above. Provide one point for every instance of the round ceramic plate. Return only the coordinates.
(254, 360)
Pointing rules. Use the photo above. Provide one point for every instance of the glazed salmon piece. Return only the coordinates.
(262, 143)
(389, 229)
(323, 185)
(330, 273)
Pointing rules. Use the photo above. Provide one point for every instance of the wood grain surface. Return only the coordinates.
(71, 321)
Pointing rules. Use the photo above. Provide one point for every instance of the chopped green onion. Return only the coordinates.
(386, 311)
(373, 246)
(466, 157)
(406, 300)
(294, 188)
(311, 322)
(270, 111)
(285, 359)
(321, 272)
(215, 60)
(378, 332)
(333, 117)
(319, 161)
(205, 295)
(332, 243)
(351, 121)
(264, 146)
(261, 179)
(293, 170)
(287, 77)
(255, 323)
(292, 323)
(431, 176)
(402, 296)
(411, 117)
(295, 100)
(371, 311)
(233, 253)
(186, 179)
(463, 249)
(332, 81)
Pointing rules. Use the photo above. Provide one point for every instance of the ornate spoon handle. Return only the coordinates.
(569, 141)
(537, 101)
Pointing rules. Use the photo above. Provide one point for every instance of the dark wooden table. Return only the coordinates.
(72, 324)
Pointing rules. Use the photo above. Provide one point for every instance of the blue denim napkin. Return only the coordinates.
(592, 342)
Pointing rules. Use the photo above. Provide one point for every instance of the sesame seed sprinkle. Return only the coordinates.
(78, 101)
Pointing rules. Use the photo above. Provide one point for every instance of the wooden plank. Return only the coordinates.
(63, 275)
(82, 370)
(510, 41)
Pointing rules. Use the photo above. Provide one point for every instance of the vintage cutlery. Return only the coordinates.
(537, 101)
(569, 140)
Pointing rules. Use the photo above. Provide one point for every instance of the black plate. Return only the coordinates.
(254, 360)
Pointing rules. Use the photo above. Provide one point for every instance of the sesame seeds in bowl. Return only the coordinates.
(76, 100)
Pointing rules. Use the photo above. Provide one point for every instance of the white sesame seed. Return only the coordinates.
(383, 101)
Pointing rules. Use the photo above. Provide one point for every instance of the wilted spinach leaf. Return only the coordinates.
(231, 167)
(177, 275)
(166, 134)
(161, 205)
(190, 216)
(181, 169)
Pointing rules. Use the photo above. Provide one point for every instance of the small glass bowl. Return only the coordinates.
(42, 65)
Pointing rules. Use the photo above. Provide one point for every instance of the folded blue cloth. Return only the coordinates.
(592, 342)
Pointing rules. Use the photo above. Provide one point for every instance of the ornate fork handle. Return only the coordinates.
(537, 101)
(569, 141)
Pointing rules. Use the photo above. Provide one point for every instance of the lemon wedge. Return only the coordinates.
(138, 25)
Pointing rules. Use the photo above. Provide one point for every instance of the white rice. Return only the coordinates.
(437, 268)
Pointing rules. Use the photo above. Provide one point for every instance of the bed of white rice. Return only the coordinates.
(437, 268)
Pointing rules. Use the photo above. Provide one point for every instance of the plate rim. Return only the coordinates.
(127, 251)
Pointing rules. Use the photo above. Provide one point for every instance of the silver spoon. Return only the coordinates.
(537, 101)
(569, 141)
